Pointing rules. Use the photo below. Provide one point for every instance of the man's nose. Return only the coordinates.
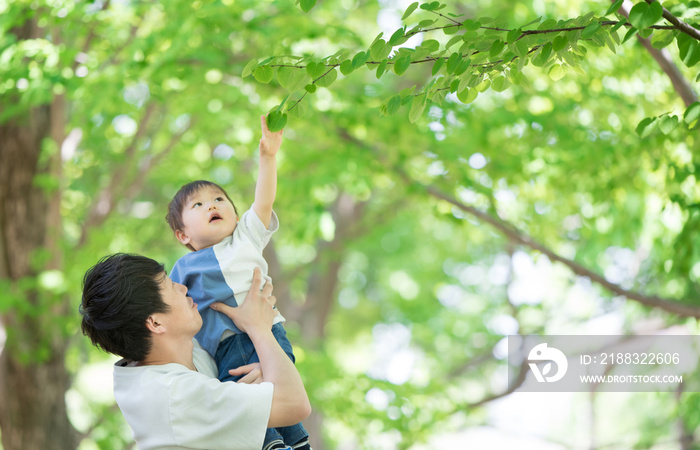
(182, 286)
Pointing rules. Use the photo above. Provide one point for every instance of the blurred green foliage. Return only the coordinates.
(404, 342)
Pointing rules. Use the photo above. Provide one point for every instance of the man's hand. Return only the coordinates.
(252, 373)
(257, 312)
(271, 141)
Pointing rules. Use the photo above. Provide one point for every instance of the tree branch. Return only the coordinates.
(119, 185)
(90, 37)
(663, 58)
(679, 24)
(519, 380)
(104, 204)
(517, 236)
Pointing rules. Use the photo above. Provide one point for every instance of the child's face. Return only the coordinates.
(208, 217)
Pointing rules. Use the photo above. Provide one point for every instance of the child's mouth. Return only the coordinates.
(214, 218)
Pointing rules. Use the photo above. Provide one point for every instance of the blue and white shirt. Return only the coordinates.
(224, 272)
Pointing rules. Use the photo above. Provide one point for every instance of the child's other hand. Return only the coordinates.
(271, 141)
(252, 373)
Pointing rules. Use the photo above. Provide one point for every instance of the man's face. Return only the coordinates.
(183, 315)
(208, 217)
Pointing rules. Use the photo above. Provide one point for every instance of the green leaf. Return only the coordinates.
(315, 70)
(310, 88)
(646, 127)
(438, 65)
(327, 79)
(307, 5)
(450, 29)
(291, 79)
(533, 21)
(279, 107)
(432, 6)
(500, 84)
(359, 59)
(614, 7)
(453, 62)
(662, 38)
(276, 121)
(688, 49)
(468, 95)
(559, 43)
(382, 68)
(631, 32)
(590, 30)
(297, 110)
(463, 66)
(557, 72)
(412, 7)
(644, 15)
(483, 86)
(417, 107)
(249, 68)
(692, 113)
(453, 40)
(393, 105)
(543, 56)
(471, 25)
(346, 67)
(513, 35)
(496, 48)
(645, 33)
(520, 48)
(401, 64)
(668, 124)
(263, 74)
(379, 36)
(431, 45)
(379, 50)
(396, 37)
(547, 24)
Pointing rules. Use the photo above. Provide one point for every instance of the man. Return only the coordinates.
(166, 386)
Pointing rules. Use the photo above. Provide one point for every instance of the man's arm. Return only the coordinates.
(266, 186)
(290, 403)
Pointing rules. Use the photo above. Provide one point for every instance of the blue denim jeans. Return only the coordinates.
(238, 350)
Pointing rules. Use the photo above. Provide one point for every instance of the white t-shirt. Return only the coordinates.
(169, 406)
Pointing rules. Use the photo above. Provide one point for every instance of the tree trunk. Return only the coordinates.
(33, 377)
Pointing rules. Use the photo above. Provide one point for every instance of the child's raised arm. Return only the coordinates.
(266, 186)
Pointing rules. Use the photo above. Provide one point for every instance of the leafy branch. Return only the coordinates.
(478, 55)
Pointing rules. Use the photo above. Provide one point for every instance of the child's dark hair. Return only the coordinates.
(120, 292)
(174, 216)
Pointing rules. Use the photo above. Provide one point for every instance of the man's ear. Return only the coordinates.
(182, 237)
(154, 325)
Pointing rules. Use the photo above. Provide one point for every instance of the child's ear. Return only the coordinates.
(182, 237)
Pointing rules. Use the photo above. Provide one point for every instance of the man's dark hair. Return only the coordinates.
(120, 292)
(176, 205)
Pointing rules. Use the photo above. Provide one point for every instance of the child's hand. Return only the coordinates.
(271, 141)
(252, 373)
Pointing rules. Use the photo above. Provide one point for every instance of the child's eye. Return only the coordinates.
(219, 199)
(196, 204)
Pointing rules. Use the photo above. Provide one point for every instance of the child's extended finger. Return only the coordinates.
(221, 307)
(242, 369)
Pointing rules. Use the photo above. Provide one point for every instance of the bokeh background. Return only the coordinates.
(407, 252)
